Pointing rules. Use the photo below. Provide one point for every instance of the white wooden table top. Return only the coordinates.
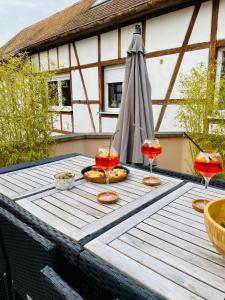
(166, 249)
(77, 213)
(28, 181)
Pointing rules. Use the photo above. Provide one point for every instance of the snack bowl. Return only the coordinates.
(214, 215)
(64, 180)
(100, 178)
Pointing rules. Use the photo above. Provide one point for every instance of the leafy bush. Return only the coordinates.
(25, 120)
(203, 102)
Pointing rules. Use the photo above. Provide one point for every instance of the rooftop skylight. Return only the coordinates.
(99, 2)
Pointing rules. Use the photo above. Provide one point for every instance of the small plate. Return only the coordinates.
(151, 181)
(108, 197)
(200, 204)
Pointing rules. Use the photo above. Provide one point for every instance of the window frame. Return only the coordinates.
(219, 66)
(121, 69)
(219, 70)
(99, 2)
(59, 78)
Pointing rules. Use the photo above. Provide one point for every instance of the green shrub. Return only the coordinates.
(25, 120)
(203, 100)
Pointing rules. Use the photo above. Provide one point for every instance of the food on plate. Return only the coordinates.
(98, 175)
(65, 175)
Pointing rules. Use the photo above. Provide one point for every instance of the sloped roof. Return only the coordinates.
(78, 18)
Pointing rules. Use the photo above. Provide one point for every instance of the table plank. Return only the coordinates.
(25, 182)
(169, 239)
(79, 207)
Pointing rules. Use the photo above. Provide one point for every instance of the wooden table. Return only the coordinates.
(76, 212)
(32, 180)
(165, 248)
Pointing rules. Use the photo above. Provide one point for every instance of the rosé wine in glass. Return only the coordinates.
(151, 149)
(107, 162)
(107, 158)
(208, 165)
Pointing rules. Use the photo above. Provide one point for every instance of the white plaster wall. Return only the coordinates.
(191, 59)
(126, 38)
(202, 27)
(64, 56)
(88, 50)
(114, 74)
(167, 31)
(44, 60)
(170, 122)
(81, 118)
(73, 57)
(82, 121)
(160, 70)
(221, 21)
(109, 124)
(53, 59)
(67, 122)
(109, 45)
(35, 62)
(91, 82)
(77, 87)
(95, 113)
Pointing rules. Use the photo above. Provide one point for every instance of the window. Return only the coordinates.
(66, 93)
(99, 2)
(59, 89)
(115, 94)
(113, 85)
(221, 65)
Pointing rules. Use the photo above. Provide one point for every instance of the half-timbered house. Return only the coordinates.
(86, 45)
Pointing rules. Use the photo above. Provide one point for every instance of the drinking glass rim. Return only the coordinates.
(107, 149)
(151, 140)
(209, 153)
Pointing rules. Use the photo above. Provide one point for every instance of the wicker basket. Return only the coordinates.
(102, 180)
(214, 215)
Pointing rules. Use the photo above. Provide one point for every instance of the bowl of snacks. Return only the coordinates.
(214, 216)
(97, 175)
(64, 180)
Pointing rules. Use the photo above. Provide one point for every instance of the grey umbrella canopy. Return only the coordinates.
(135, 122)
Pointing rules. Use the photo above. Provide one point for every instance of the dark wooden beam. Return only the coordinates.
(86, 66)
(119, 43)
(144, 31)
(220, 43)
(213, 41)
(113, 62)
(84, 102)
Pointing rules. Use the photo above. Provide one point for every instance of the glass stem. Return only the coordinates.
(150, 161)
(107, 176)
(207, 180)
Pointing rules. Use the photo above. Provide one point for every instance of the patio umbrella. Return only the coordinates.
(135, 121)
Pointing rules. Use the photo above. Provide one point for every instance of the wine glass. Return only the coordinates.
(151, 149)
(208, 165)
(107, 158)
